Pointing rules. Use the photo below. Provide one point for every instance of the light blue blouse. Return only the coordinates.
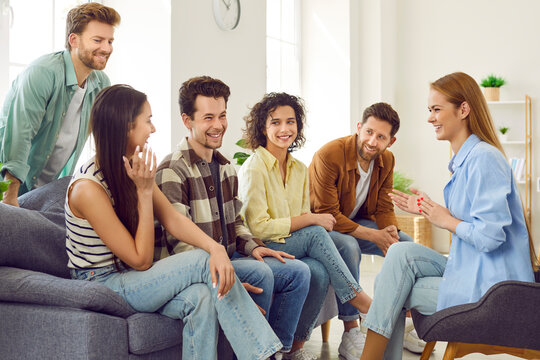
(491, 244)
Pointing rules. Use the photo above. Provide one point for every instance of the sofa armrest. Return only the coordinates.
(31, 287)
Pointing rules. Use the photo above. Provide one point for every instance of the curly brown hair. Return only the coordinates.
(255, 131)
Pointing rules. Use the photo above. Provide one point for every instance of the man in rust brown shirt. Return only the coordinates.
(350, 178)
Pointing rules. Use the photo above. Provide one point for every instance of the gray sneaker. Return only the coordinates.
(299, 354)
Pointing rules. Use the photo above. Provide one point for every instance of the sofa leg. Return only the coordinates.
(325, 331)
(428, 350)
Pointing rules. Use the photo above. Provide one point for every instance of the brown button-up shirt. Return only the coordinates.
(333, 175)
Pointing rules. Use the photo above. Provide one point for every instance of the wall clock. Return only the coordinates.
(227, 13)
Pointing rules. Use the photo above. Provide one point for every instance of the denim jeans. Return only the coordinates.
(180, 287)
(409, 279)
(351, 250)
(288, 283)
(314, 247)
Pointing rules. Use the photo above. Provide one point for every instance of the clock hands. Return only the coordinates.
(228, 5)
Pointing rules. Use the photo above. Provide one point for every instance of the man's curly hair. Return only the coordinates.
(255, 131)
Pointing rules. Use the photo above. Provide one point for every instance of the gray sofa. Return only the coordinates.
(46, 315)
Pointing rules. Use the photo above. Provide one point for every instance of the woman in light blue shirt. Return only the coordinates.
(490, 237)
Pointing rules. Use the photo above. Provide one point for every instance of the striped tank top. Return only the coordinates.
(84, 247)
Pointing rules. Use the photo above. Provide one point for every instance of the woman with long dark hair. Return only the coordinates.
(110, 208)
(491, 241)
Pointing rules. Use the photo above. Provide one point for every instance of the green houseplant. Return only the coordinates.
(3, 185)
(402, 182)
(503, 130)
(491, 85)
(241, 156)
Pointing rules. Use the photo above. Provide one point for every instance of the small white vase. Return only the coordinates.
(503, 137)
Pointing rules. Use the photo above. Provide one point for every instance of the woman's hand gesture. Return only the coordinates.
(142, 170)
(406, 202)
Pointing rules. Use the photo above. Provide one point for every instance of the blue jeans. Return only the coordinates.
(180, 287)
(351, 250)
(409, 279)
(287, 282)
(314, 247)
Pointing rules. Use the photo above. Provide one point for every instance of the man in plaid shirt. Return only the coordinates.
(202, 184)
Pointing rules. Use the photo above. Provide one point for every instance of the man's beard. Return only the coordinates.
(87, 58)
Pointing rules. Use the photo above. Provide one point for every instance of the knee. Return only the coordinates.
(300, 273)
(405, 237)
(400, 250)
(198, 255)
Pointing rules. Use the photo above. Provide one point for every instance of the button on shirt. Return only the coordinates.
(491, 244)
(268, 204)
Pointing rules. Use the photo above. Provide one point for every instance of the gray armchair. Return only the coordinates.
(505, 320)
(46, 315)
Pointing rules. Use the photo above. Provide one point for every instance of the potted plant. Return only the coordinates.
(241, 156)
(491, 85)
(402, 182)
(3, 185)
(503, 133)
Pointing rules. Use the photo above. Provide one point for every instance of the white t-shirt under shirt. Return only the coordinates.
(67, 139)
(362, 187)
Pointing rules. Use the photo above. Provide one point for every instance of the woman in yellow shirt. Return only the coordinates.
(274, 188)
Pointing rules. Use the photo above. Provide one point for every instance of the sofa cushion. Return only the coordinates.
(53, 332)
(25, 286)
(33, 238)
(150, 332)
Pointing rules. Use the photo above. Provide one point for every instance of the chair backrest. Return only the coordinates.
(508, 315)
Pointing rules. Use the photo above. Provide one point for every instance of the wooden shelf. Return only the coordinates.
(526, 143)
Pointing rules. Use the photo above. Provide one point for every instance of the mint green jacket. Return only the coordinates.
(32, 116)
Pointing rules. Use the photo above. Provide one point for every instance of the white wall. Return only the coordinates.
(325, 73)
(237, 57)
(142, 58)
(434, 38)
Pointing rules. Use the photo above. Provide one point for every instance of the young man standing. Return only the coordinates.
(203, 185)
(44, 120)
(350, 178)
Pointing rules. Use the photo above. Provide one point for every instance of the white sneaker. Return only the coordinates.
(411, 341)
(352, 344)
(299, 354)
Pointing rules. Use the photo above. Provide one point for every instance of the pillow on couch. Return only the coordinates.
(33, 236)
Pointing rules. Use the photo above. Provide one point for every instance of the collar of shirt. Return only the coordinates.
(458, 159)
(351, 151)
(191, 156)
(270, 160)
(71, 77)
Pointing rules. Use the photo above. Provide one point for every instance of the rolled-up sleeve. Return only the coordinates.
(22, 115)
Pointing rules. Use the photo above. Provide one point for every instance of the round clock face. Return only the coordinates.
(227, 13)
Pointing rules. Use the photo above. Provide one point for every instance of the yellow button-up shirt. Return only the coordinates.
(268, 204)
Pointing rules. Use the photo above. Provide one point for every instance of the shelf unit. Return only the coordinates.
(524, 140)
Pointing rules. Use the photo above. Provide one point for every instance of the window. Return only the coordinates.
(30, 33)
(283, 46)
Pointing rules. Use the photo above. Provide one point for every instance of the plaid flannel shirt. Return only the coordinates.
(187, 182)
